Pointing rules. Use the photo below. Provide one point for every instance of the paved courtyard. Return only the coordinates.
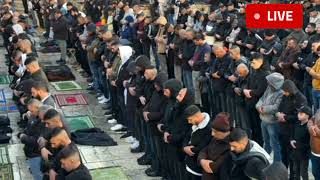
(94, 157)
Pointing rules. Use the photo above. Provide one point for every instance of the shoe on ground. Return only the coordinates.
(136, 150)
(90, 88)
(129, 140)
(144, 162)
(128, 134)
(151, 173)
(116, 127)
(107, 107)
(112, 121)
(135, 146)
(60, 61)
(103, 101)
(122, 130)
(108, 112)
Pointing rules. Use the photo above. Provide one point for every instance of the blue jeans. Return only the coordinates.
(34, 164)
(270, 133)
(94, 68)
(187, 79)
(316, 99)
(315, 160)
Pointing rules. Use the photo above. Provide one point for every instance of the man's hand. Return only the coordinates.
(45, 153)
(22, 135)
(262, 50)
(142, 100)
(52, 174)
(165, 137)
(145, 116)
(232, 78)
(132, 91)
(113, 83)
(190, 62)
(180, 56)
(205, 164)
(188, 151)
(237, 91)
(125, 82)
(280, 64)
(295, 65)
(293, 144)
(247, 92)
(159, 126)
(308, 69)
(280, 116)
(215, 75)
(260, 110)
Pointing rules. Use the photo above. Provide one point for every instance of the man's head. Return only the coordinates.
(59, 138)
(70, 158)
(32, 64)
(235, 52)
(292, 43)
(304, 113)
(207, 57)
(33, 106)
(150, 73)
(268, 34)
(171, 88)
(314, 47)
(52, 119)
(311, 27)
(39, 90)
(257, 61)
(199, 39)
(25, 45)
(238, 140)
(219, 50)
(242, 70)
(43, 110)
(221, 125)
(313, 12)
(193, 115)
(57, 14)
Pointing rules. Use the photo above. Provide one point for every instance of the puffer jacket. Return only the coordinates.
(271, 98)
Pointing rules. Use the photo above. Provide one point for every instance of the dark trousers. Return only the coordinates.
(146, 137)
(299, 169)
(81, 56)
(121, 110)
(137, 133)
(131, 120)
(39, 14)
(315, 160)
(242, 119)
(255, 125)
(25, 6)
(161, 153)
(191, 176)
(285, 148)
(170, 64)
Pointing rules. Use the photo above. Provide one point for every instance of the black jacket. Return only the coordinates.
(199, 137)
(257, 83)
(81, 173)
(221, 66)
(60, 28)
(123, 75)
(302, 137)
(309, 61)
(289, 106)
(187, 50)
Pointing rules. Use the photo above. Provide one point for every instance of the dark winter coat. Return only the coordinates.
(60, 28)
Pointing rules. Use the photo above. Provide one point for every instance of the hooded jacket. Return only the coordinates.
(289, 106)
(123, 74)
(199, 136)
(271, 98)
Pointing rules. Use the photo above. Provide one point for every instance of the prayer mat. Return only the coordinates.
(66, 86)
(4, 155)
(5, 79)
(71, 99)
(58, 73)
(8, 108)
(108, 173)
(79, 122)
(6, 172)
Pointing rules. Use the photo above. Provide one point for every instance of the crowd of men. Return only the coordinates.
(200, 94)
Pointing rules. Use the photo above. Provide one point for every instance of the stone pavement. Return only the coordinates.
(93, 157)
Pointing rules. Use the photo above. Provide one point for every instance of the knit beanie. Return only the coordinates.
(222, 122)
(173, 85)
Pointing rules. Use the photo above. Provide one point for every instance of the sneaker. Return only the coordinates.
(103, 101)
(128, 134)
(90, 84)
(112, 121)
(100, 97)
(116, 127)
(121, 131)
(130, 140)
(135, 144)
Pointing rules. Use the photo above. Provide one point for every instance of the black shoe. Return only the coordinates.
(90, 88)
(152, 173)
(121, 131)
(107, 107)
(148, 170)
(62, 62)
(141, 158)
(108, 112)
(128, 134)
(59, 61)
(136, 150)
(144, 162)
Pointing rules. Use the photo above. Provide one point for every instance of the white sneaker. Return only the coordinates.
(100, 97)
(90, 84)
(104, 100)
(135, 144)
(116, 127)
(112, 121)
(130, 140)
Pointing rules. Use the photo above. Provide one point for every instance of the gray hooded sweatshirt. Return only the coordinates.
(271, 98)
